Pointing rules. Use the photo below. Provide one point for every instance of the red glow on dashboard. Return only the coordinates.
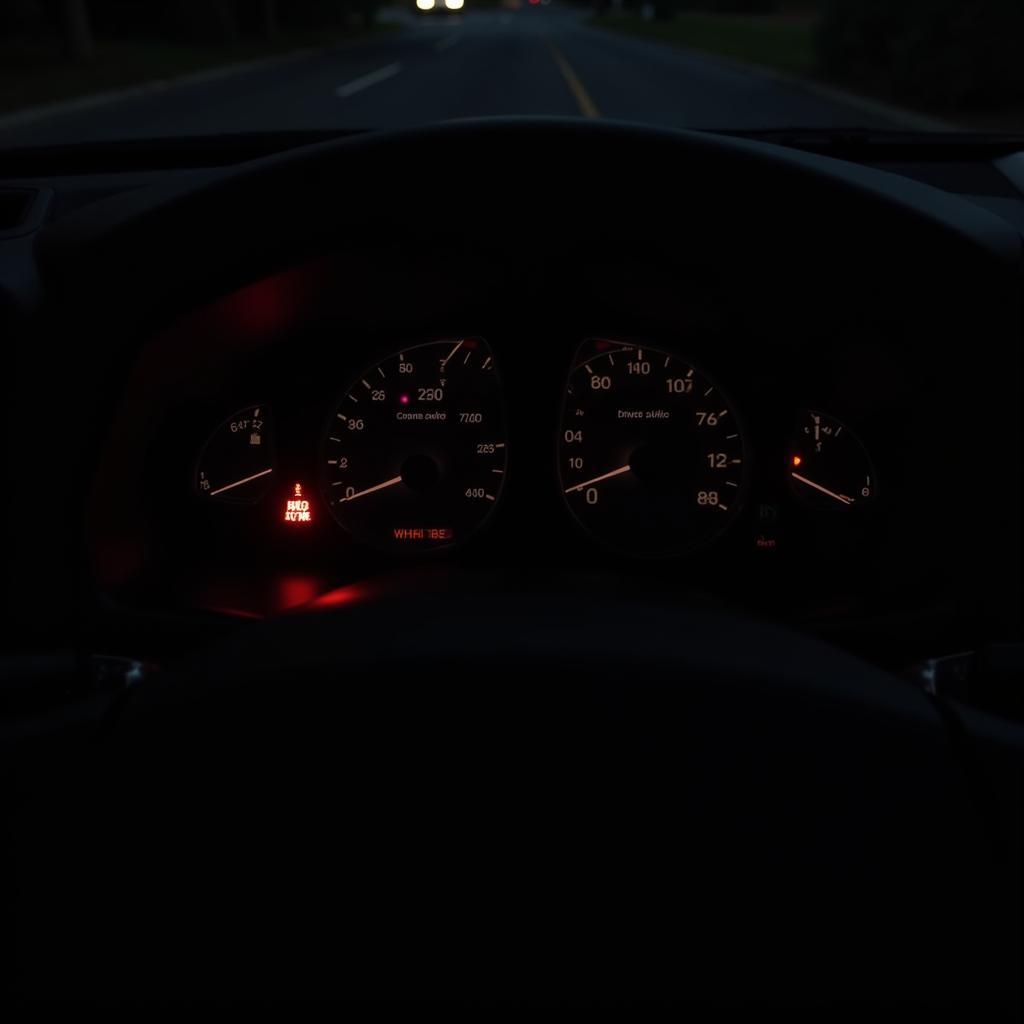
(119, 560)
(351, 594)
(266, 308)
(297, 508)
(403, 399)
(296, 591)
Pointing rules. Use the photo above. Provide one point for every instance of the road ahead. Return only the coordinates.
(537, 60)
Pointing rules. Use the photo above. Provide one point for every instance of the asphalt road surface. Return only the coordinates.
(536, 60)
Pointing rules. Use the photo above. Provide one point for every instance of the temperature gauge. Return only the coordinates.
(829, 467)
(237, 463)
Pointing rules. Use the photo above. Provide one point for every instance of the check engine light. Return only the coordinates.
(297, 508)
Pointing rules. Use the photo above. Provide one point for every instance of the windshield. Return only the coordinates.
(104, 70)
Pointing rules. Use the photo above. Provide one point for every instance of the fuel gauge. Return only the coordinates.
(829, 467)
(237, 462)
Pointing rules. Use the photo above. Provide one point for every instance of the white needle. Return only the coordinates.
(238, 483)
(458, 345)
(598, 479)
(824, 490)
(369, 490)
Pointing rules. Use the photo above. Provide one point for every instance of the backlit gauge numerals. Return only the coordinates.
(651, 454)
(414, 455)
(237, 462)
(829, 468)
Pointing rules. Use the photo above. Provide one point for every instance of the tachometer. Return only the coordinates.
(650, 452)
(415, 452)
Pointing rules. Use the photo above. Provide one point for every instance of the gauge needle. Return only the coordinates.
(369, 490)
(824, 490)
(458, 345)
(598, 479)
(238, 483)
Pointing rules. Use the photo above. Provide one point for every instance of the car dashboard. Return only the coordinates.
(480, 570)
(739, 405)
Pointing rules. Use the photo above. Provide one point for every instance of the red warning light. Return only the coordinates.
(797, 460)
(403, 399)
(297, 508)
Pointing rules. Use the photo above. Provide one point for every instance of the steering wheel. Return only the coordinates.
(475, 788)
(483, 786)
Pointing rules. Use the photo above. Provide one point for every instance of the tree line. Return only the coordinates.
(79, 23)
(946, 54)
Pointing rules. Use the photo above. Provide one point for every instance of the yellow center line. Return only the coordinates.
(586, 104)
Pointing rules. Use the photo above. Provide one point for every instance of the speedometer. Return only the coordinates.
(414, 453)
(651, 456)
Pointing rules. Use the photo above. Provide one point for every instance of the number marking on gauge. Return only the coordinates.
(673, 459)
(832, 463)
(242, 451)
(417, 468)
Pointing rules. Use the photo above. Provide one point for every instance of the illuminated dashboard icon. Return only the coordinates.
(828, 466)
(414, 452)
(297, 507)
(237, 462)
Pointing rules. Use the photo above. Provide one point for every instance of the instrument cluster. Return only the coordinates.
(652, 456)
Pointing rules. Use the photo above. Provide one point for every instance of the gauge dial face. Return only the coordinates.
(829, 468)
(651, 456)
(414, 454)
(237, 463)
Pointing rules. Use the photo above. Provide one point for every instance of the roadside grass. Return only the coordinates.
(786, 44)
(36, 72)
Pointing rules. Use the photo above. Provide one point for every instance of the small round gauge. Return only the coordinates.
(414, 454)
(829, 468)
(237, 462)
(650, 453)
